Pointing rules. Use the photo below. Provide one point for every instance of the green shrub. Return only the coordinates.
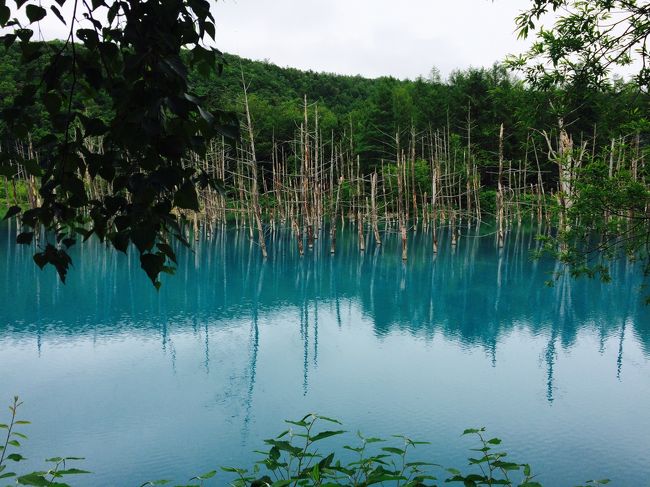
(57, 470)
(293, 458)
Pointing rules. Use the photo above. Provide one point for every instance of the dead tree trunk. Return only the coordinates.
(500, 198)
(373, 202)
(254, 189)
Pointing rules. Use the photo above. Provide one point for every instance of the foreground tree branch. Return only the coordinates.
(135, 62)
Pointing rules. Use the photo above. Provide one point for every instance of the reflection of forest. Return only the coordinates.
(473, 294)
(251, 342)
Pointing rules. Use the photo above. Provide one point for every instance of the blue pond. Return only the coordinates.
(166, 385)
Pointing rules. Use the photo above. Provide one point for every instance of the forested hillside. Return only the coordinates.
(470, 106)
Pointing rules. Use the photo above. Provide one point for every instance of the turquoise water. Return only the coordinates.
(151, 385)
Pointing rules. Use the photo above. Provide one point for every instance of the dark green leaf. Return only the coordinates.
(57, 12)
(5, 13)
(72, 471)
(152, 265)
(471, 431)
(35, 12)
(25, 238)
(205, 476)
(186, 197)
(330, 420)
(168, 251)
(12, 211)
(52, 102)
(34, 479)
(325, 434)
(40, 259)
(396, 451)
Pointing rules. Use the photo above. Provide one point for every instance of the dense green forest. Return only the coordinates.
(470, 105)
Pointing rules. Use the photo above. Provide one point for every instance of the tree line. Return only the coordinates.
(470, 105)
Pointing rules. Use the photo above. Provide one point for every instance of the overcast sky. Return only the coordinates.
(402, 38)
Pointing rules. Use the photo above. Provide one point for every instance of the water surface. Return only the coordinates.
(151, 385)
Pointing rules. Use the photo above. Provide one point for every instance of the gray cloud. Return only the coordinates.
(370, 37)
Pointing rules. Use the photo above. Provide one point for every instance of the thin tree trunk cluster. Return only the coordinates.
(317, 180)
